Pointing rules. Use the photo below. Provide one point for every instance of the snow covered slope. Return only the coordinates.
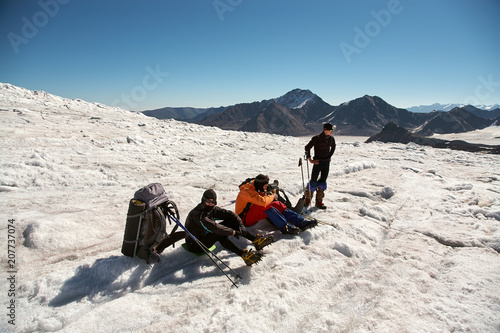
(412, 244)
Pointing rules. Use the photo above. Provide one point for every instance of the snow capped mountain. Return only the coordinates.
(447, 107)
(368, 115)
(295, 99)
(291, 114)
(488, 107)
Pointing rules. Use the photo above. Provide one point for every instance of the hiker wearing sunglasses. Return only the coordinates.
(201, 223)
(324, 147)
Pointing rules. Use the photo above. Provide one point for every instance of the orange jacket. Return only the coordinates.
(248, 194)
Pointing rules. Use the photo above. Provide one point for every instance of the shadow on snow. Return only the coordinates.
(113, 277)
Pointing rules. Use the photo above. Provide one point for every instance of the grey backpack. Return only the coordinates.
(146, 233)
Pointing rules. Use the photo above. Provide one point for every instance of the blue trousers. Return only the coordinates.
(282, 219)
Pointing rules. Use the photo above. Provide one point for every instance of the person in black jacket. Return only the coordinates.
(200, 222)
(324, 147)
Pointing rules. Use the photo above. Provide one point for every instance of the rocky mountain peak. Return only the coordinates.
(296, 98)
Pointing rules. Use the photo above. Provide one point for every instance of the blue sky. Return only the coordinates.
(153, 53)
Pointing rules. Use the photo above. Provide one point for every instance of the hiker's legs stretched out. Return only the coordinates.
(230, 246)
(236, 225)
(249, 256)
(274, 213)
(206, 240)
(257, 213)
(257, 240)
(211, 239)
(294, 218)
(276, 217)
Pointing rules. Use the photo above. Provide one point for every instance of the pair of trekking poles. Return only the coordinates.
(308, 176)
(210, 254)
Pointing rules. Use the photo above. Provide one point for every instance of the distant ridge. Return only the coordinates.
(458, 120)
(449, 107)
(181, 113)
(300, 112)
(393, 133)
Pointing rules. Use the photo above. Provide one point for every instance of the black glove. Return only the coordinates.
(237, 234)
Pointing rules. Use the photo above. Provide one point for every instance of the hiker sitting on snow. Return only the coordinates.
(254, 203)
(200, 222)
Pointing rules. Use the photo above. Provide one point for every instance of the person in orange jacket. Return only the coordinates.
(254, 203)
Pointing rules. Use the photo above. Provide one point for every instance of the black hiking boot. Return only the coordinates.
(251, 257)
(309, 224)
(262, 241)
(290, 229)
(320, 205)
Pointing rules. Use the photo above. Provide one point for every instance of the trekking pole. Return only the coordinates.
(336, 226)
(308, 174)
(204, 247)
(302, 172)
(209, 253)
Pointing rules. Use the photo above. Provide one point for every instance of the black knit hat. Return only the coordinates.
(260, 181)
(209, 195)
(328, 126)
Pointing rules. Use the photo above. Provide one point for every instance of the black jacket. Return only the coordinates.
(324, 147)
(200, 223)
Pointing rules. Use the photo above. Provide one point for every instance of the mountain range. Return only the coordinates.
(301, 112)
(448, 107)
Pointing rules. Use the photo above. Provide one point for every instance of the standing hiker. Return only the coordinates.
(200, 222)
(254, 203)
(324, 147)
